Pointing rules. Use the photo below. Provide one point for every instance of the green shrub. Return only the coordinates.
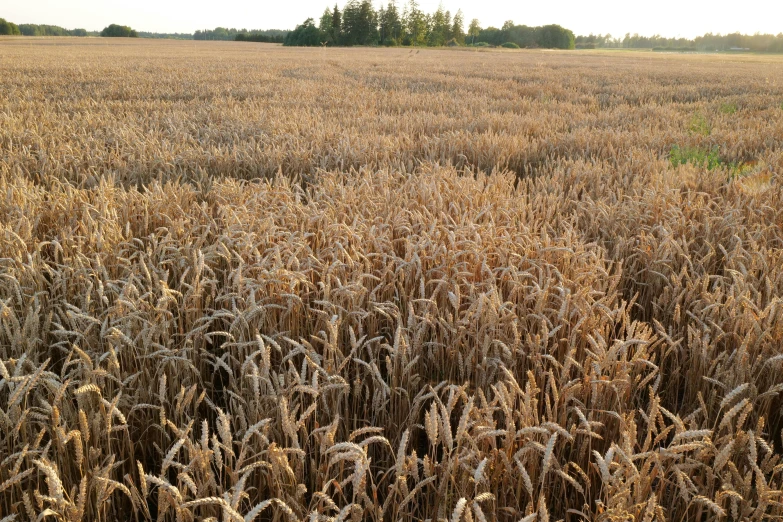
(510, 45)
(707, 158)
(481, 44)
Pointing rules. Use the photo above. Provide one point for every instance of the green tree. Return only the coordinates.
(305, 35)
(523, 36)
(381, 15)
(360, 23)
(457, 32)
(8, 28)
(491, 35)
(119, 31)
(352, 28)
(390, 25)
(337, 27)
(556, 37)
(508, 25)
(325, 25)
(440, 26)
(474, 30)
(415, 24)
(369, 17)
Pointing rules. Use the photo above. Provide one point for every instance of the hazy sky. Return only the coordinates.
(686, 18)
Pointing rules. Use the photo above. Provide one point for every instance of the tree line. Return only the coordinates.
(165, 36)
(242, 35)
(359, 23)
(49, 30)
(709, 42)
(268, 36)
(9, 28)
(116, 30)
(45, 30)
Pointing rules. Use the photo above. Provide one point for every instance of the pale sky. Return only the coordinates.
(685, 18)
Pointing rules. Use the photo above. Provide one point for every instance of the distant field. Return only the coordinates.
(246, 282)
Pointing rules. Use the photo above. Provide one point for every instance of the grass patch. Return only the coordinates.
(707, 158)
(700, 125)
(728, 108)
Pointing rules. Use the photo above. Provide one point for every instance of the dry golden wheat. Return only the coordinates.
(243, 282)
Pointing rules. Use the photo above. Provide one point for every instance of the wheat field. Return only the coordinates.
(244, 282)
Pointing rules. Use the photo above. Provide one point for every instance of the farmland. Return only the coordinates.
(246, 282)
